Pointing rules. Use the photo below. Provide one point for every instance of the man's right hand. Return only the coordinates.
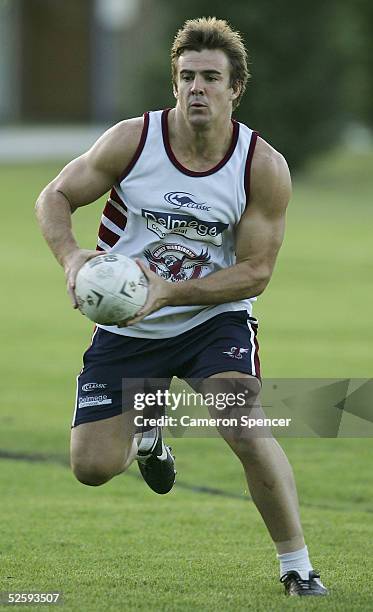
(72, 264)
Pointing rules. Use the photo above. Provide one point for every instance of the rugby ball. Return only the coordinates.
(110, 288)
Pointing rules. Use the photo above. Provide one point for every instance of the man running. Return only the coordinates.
(199, 200)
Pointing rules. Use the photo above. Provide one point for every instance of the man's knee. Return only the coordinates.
(251, 449)
(94, 473)
(100, 450)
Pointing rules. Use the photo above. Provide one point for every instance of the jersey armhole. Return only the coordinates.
(139, 149)
(249, 159)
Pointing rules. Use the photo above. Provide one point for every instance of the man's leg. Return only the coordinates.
(229, 340)
(272, 487)
(269, 476)
(107, 447)
(104, 438)
(102, 449)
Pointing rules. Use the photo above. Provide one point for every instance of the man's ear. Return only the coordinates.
(174, 89)
(236, 89)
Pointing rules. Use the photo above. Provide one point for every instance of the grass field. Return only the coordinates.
(121, 547)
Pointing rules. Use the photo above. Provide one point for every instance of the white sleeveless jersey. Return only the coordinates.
(180, 223)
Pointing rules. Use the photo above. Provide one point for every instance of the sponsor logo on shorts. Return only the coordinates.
(163, 223)
(183, 199)
(236, 352)
(175, 262)
(96, 400)
(92, 386)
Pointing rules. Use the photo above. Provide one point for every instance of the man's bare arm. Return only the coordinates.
(258, 240)
(81, 182)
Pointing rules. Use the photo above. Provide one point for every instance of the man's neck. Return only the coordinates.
(199, 143)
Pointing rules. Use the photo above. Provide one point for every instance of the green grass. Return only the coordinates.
(120, 547)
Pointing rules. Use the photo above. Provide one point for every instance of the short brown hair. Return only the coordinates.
(213, 33)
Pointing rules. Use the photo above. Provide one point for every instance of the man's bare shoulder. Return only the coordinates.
(115, 149)
(267, 162)
(270, 176)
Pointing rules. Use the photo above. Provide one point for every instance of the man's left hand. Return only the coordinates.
(159, 293)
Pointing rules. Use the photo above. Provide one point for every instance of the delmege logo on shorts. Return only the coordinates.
(95, 400)
(163, 223)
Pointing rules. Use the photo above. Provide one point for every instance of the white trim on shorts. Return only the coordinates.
(253, 347)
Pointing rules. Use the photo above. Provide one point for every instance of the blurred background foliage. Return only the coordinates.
(311, 66)
(99, 61)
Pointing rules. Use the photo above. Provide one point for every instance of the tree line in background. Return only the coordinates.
(311, 66)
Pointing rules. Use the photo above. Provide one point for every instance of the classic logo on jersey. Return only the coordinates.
(175, 262)
(163, 223)
(236, 352)
(183, 199)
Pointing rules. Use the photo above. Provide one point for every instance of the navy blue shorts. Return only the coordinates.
(226, 342)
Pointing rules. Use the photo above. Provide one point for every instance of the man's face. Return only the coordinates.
(203, 90)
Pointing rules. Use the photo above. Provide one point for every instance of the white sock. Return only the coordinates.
(147, 440)
(297, 560)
